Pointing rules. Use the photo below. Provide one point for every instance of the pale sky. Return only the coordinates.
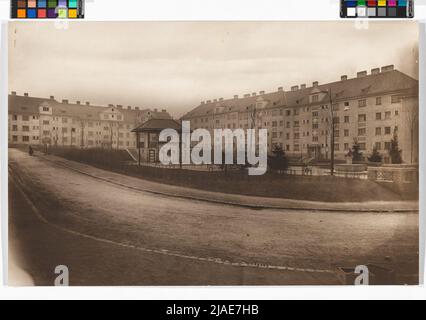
(175, 65)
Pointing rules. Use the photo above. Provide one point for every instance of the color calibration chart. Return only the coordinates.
(377, 9)
(47, 9)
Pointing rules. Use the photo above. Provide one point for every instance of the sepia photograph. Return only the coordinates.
(213, 153)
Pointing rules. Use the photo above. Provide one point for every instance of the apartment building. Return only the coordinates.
(366, 108)
(40, 121)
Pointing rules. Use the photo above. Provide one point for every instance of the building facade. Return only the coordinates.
(367, 109)
(39, 121)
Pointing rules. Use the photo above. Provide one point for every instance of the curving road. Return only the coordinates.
(110, 235)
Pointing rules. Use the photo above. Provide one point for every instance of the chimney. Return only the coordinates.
(202, 102)
(236, 96)
(163, 110)
(315, 84)
(110, 105)
(221, 99)
(215, 100)
(129, 107)
(262, 92)
(303, 86)
(87, 103)
(209, 101)
(136, 108)
(253, 94)
(26, 94)
(119, 106)
(78, 102)
(52, 97)
(294, 88)
(375, 71)
(13, 93)
(280, 89)
(155, 110)
(388, 68)
(247, 95)
(65, 101)
(361, 74)
(344, 78)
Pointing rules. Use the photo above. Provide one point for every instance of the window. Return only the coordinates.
(336, 107)
(362, 103)
(362, 117)
(288, 125)
(387, 145)
(25, 138)
(337, 147)
(274, 135)
(396, 113)
(64, 130)
(14, 117)
(46, 109)
(25, 118)
(296, 147)
(288, 113)
(378, 116)
(362, 146)
(296, 112)
(346, 104)
(25, 128)
(296, 124)
(46, 122)
(315, 139)
(315, 98)
(378, 101)
(346, 146)
(387, 115)
(378, 131)
(274, 124)
(297, 136)
(336, 119)
(387, 130)
(378, 145)
(64, 120)
(336, 133)
(346, 119)
(315, 126)
(362, 131)
(315, 114)
(346, 132)
(14, 127)
(15, 138)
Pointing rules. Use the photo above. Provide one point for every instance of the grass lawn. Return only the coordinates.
(315, 188)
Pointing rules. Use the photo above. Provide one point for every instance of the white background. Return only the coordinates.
(207, 10)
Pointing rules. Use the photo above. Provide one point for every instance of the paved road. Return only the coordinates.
(110, 235)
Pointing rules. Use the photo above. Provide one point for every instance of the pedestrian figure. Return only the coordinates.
(30, 150)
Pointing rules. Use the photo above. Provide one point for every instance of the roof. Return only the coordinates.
(154, 125)
(384, 82)
(30, 106)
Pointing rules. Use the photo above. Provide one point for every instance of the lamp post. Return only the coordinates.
(332, 134)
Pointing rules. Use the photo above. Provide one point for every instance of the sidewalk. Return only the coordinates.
(230, 199)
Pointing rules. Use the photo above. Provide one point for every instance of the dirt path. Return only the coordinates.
(192, 242)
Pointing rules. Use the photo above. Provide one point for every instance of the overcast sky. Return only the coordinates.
(175, 65)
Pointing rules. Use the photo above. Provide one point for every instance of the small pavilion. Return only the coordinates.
(147, 138)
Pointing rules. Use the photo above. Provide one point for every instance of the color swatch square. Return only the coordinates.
(31, 13)
(22, 13)
(62, 13)
(72, 13)
(41, 13)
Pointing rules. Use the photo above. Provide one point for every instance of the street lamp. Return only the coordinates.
(332, 135)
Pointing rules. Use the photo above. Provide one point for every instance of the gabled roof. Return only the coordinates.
(30, 106)
(381, 83)
(155, 125)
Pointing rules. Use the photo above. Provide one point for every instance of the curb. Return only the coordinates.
(231, 203)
